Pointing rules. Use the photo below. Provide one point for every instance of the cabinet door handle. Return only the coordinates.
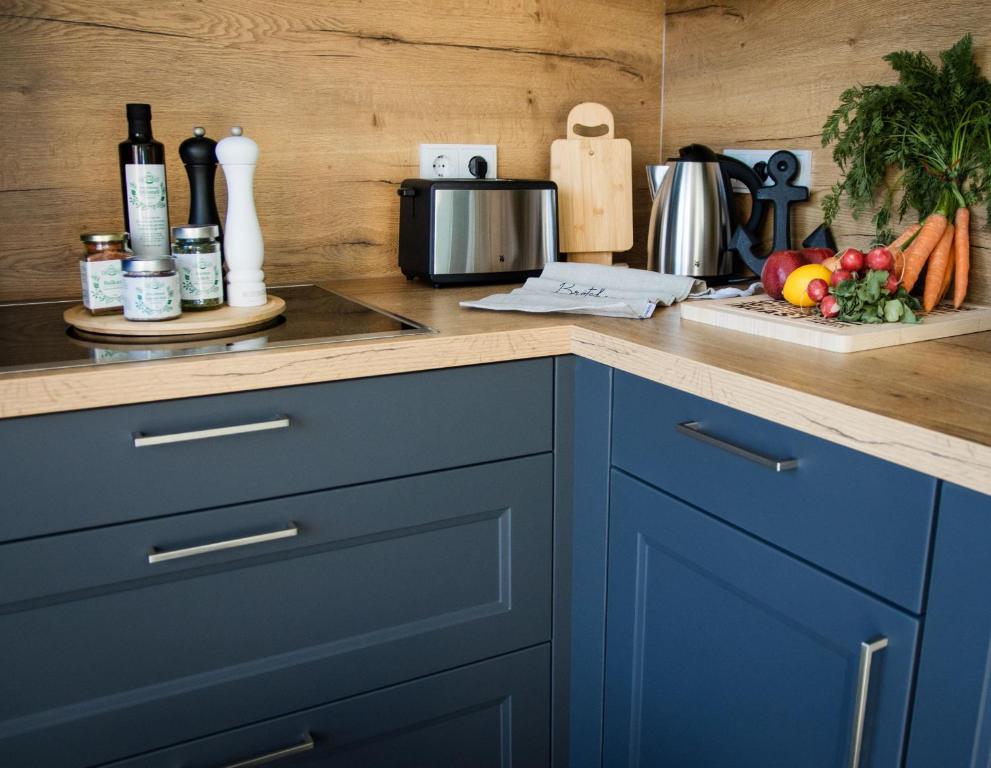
(270, 757)
(694, 430)
(160, 556)
(867, 651)
(141, 440)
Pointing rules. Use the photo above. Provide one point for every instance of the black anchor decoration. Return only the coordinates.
(782, 167)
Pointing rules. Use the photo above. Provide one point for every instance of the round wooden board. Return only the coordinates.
(204, 322)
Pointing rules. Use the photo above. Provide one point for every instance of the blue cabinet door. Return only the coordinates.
(723, 651)
(951, 721)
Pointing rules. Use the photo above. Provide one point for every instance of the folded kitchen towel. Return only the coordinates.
(593, 289)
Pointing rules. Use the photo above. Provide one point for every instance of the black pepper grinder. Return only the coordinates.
(199, 154)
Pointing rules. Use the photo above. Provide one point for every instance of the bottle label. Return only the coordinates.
(103, 284)
(200, 275)
(147, 208)
(151, 298)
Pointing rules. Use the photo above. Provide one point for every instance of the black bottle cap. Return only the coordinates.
(198, 149)
(141, 112)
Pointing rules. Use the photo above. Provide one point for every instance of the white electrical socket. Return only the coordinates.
(450, 161)
(753, 156)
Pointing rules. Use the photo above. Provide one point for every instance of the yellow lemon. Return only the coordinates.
(798, 282)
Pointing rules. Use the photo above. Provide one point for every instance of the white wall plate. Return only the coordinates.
(753, 156)
(450, 161)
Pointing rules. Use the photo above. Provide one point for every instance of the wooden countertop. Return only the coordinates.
(926, 406)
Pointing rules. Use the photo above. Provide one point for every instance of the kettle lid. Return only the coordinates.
(697, 153)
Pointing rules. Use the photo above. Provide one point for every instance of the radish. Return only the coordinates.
(839, 276)
(817, 289)
(891, 286)
(880, 258)
(852, 260)
(829, 306)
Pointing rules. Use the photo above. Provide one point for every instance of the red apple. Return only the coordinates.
(880, 258)
(852, 260)
(816, 255)
(829, 306)
(839, 276)
(817, 289)
(776, 269)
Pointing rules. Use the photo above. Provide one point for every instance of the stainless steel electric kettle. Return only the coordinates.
(692, 221)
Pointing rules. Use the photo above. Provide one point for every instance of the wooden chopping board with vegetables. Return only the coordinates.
(593, 173)
(774, 319)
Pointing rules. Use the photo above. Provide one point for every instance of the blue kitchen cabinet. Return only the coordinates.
(722, 650)
(363, 570)
(951, 723)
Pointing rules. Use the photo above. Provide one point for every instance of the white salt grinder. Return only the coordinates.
(243, 246)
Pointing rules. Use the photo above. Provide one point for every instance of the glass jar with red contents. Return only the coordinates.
(101, 272)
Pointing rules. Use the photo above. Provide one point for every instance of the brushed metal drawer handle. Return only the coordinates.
(141, 440)
(694, 430)
(270, 757)
(867, 651)
(160, 556)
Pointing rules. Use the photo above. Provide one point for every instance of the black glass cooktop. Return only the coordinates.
(33, 336)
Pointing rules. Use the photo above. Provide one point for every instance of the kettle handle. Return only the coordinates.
(736, 169)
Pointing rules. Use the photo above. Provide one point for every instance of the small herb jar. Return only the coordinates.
(151, 288)
(197, 254)
(101, 272)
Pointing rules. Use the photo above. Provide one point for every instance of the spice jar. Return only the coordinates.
(100, 271)
(197, 254)
(151, 288)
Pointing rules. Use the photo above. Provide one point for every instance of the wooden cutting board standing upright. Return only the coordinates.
(593, 173)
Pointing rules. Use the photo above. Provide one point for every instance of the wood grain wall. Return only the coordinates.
(337, 94)
(766, 73)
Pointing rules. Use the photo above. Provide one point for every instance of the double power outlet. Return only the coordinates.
(450, 161)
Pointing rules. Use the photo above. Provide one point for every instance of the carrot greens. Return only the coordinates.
(932, 129)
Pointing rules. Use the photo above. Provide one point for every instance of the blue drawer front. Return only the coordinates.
(68, 471)
(861, 518)
(495, 714)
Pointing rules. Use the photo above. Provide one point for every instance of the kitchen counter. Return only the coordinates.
(925, 406)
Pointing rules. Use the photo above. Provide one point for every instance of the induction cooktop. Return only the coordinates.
(33, 335)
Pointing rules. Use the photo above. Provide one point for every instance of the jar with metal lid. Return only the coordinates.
(196, 250)
(101, 271)
(151, 288)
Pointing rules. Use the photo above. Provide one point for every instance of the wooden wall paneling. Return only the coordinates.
(766, 73)
(337, 94)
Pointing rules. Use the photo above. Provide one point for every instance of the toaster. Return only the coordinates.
(476, 230)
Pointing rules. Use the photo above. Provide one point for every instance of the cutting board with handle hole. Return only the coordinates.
(593, 173)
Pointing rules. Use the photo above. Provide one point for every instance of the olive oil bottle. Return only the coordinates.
(142, 182)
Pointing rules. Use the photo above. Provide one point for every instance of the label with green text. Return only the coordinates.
(147, 208)
(103, 284)
(200, 275)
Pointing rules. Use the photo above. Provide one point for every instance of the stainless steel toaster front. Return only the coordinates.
(477, 230)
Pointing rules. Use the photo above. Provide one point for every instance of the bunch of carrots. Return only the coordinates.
(941, 245)
(921, 143)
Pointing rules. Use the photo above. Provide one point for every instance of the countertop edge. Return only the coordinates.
(933, 453)
(946, 457)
